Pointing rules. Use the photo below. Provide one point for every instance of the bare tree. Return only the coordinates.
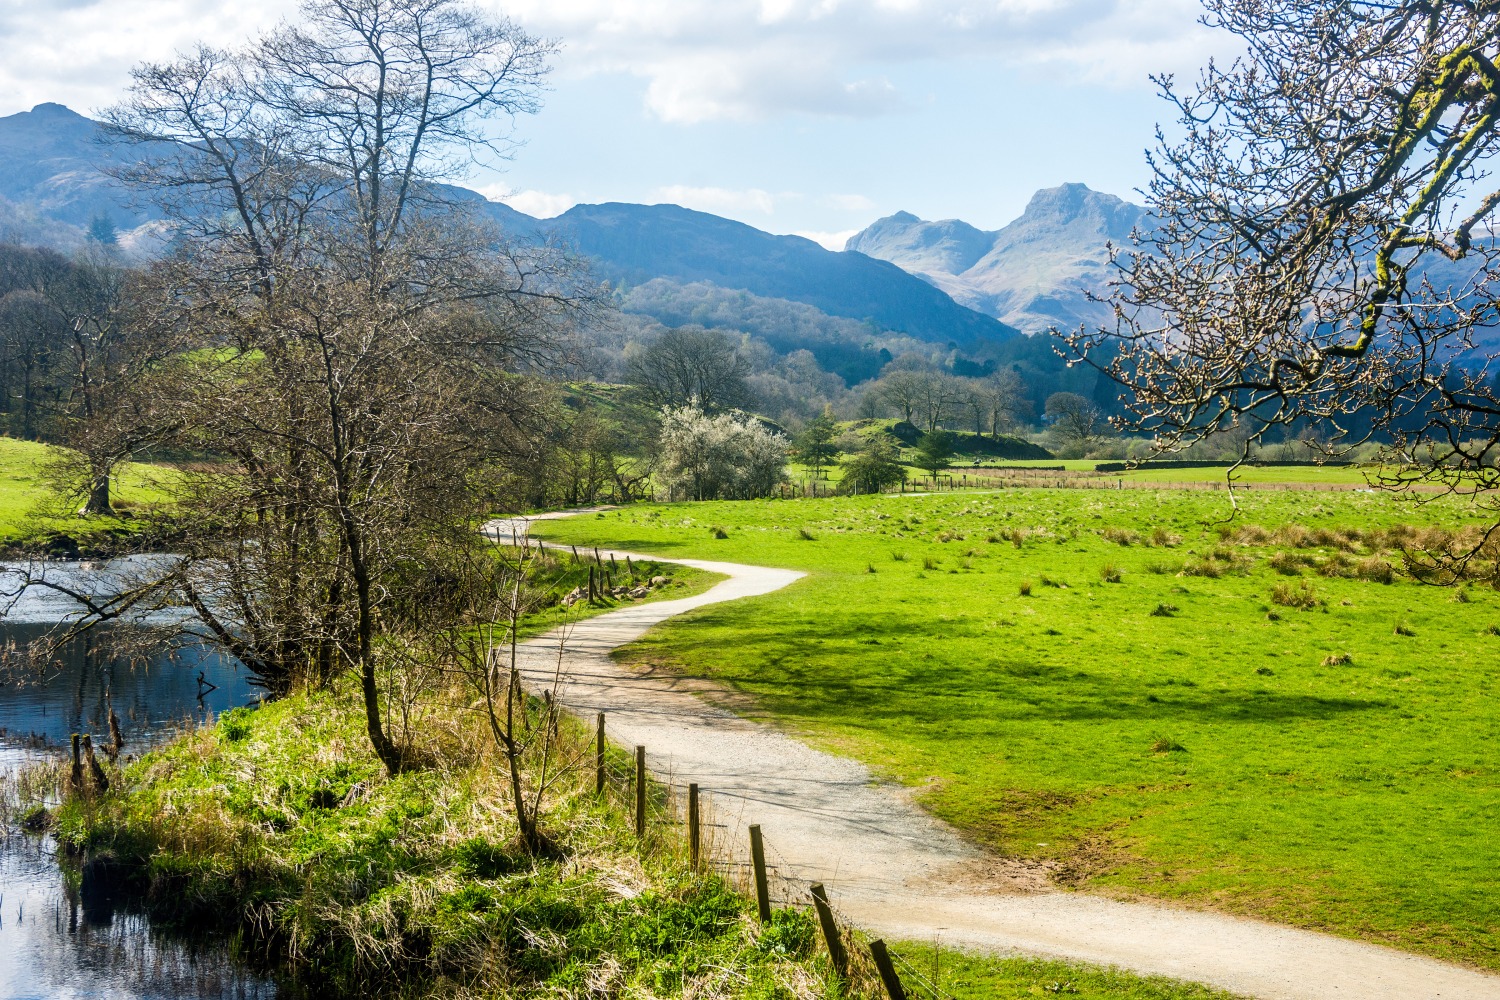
(1323, 252)
(368, 340)
(1076, 420)
(687, 366)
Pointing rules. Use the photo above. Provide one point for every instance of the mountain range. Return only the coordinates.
(1037, 272)
(53, 185)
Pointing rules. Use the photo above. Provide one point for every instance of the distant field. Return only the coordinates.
(1177, 734)
(23, 490)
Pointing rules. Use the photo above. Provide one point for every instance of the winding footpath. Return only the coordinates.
(895, 870)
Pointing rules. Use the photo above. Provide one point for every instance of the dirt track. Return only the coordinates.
(896, 870)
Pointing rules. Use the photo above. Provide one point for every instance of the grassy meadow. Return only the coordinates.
(26, 502)
(1142, 696)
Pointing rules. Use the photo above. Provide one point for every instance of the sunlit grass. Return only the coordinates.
(1356, 795)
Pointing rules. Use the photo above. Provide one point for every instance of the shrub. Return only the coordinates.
(1026, 592)
(1164, 538)
(1337, 660)
(1337, 564)
(1375, 570)
(1209, 567)
(1301, 596)
(1286, 563)
(1110, 573)
(1165, 611)
(720, 533)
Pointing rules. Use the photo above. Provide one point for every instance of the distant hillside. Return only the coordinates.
(1033, 274)
(633, 244)
(53, 184)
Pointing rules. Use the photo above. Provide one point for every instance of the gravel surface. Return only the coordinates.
(896, 871)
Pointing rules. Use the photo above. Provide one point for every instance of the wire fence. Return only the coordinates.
(775, 882)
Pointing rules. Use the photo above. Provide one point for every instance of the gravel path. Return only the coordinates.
(896, 870)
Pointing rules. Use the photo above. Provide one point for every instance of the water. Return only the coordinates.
(57, 942)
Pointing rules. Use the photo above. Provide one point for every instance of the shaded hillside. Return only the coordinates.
(635, 243)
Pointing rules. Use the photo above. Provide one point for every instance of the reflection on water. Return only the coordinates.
(61, 942)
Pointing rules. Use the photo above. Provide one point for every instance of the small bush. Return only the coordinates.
(1163, 538)
(1210, 567)
(1026, 590)
(1110, 573)
(1335, 565)
(1286, 563)
(1337, 660)
(1165, 744)
(720, 533)
(1165, 611)
(234, 725)
(1375, 570)
(1017, 536)
(1301, 596)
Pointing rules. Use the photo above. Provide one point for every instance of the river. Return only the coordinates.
(62, 942)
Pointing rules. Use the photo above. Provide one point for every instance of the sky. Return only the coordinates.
(813, 117)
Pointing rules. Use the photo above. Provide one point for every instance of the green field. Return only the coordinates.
(25, 498)
(1176, 734)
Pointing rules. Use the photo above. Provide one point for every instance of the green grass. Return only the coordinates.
(1173, 736)
(25, 497)
(971, 977)
(280, 823)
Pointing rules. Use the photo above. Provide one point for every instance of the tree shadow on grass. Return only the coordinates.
(807, 671)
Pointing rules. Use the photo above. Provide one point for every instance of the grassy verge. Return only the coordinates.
(280, 827)
(1246, 718)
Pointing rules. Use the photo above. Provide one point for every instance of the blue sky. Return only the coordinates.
(806, 116)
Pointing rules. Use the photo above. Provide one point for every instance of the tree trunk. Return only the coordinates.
(98, 502)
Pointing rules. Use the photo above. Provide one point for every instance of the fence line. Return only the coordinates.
(663, 798)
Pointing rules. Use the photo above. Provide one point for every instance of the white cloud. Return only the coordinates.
(717, 200)
(850, 203)
(538, 204)
(80, 53)
(707, 60)
(830, 241)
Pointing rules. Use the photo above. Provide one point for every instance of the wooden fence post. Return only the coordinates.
(599, 757)
(695, 837)
(758, 861)
(640, 791)
(830, 930)
(887, 970)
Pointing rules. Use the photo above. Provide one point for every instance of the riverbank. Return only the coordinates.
(277, 829)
